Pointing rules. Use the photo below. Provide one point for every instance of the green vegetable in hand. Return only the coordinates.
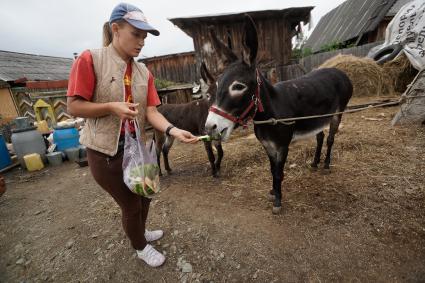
(210, 138)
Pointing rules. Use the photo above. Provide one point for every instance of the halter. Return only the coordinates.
(244, 117)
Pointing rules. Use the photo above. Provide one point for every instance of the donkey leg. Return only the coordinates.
(158, 159)
(211, 157)
(319, 138)
(219, 156)
(333, 129)
(159, 143)
(277, 163)
(165, 150)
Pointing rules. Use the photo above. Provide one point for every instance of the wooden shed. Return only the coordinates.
(276, 28)
(178, 68)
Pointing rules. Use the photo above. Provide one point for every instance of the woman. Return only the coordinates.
(108, 87)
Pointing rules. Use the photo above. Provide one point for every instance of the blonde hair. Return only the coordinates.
(107, 32)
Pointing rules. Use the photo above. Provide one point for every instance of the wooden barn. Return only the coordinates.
(33, 86)
(276, 28)
(353, 23)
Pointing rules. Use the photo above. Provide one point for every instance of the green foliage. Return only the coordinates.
(301, 53)
(298, 49)
(160, 83)
(335, 46)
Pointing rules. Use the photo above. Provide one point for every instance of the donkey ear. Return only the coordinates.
(205, 74)
(225, 54)
(250, 41)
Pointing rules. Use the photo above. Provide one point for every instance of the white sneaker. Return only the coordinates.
(151, 236)
(151, 256)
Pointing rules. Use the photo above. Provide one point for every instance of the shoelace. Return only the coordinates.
(152, 254)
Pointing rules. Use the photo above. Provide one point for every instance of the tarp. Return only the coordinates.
(412, 111)
(408, 29)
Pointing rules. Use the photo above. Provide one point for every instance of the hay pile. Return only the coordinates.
(367, 77)
(400, 72)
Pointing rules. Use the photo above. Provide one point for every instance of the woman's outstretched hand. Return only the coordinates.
(183, 136)
(124, 110)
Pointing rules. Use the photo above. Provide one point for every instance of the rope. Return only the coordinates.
(291, 121)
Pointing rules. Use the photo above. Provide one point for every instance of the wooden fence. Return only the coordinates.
(176, 94)
(311, 62)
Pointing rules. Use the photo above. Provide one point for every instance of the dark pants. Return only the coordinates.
(108, 173)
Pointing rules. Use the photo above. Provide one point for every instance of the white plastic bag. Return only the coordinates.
(140, 168)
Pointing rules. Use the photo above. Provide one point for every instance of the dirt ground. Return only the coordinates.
(364, 222)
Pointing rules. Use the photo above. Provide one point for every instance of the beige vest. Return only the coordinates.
(102, 133)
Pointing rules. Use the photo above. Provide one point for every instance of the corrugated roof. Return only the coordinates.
(300, 13)
(348, 21)
(15, 66)
(396, 7)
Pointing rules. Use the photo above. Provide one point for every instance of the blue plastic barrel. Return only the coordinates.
(4, 154)
(65, 138)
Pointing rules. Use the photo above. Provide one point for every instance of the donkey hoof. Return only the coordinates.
(313, 168)
(276, 209)
(326, 171)
(271, 197)
(216, 174)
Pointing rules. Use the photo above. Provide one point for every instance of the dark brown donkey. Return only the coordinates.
(243, 93)
(190, 117)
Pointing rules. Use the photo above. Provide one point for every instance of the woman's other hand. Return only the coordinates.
(124, 110)
(183, 136)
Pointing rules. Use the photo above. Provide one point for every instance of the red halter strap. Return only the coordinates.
(244, 118)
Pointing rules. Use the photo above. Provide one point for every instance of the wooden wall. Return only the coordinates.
(7, 106)
(26, 97)
(176, 95)
(274, 41)
(179, 68)
(313, 61)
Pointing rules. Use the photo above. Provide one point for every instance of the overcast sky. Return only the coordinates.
(61, 27)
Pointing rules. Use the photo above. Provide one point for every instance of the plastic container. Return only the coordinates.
(54, 158)
(42, 127)
(22, 123)
(83, 151)
(33, 162)
(28, 141)
(73, 153)
(66, 137)
(5, 159)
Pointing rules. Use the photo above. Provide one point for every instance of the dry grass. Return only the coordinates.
(370, 79)
(400, 72)
(367, 77)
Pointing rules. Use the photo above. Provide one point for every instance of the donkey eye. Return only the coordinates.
(238, 87)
